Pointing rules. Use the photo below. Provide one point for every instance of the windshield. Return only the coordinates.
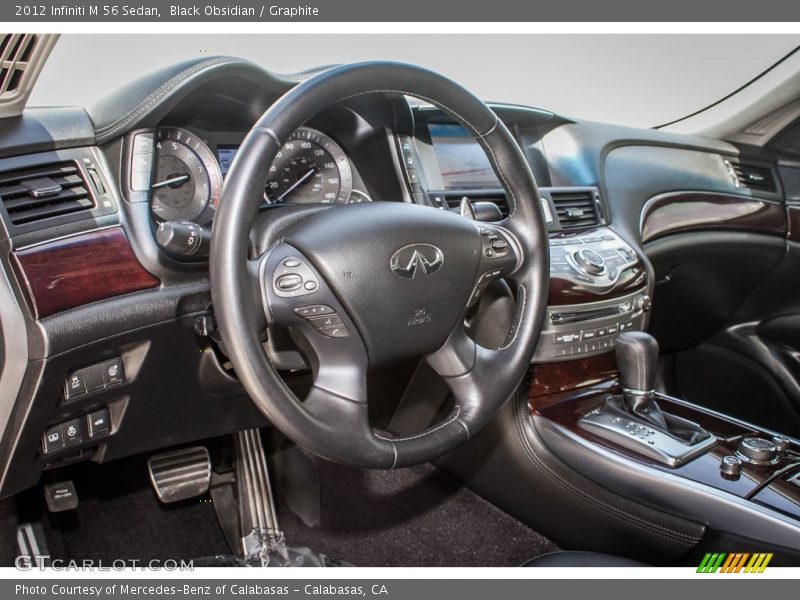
(639, 80)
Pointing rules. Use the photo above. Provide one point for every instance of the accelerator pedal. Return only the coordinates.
(180, 474)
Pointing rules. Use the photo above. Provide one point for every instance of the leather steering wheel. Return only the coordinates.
(363, 285)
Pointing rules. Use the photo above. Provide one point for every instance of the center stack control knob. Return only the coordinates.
(757, 451)
(590, 261)
(731, 467)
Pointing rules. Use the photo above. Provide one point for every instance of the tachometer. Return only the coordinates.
(187, 181)
(309, 168)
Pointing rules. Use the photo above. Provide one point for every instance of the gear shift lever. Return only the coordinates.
(635, 420)
(637, 356)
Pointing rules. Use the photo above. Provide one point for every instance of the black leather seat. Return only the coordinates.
(582, 559)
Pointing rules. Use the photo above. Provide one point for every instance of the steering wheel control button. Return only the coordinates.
(53, 439)
(499, 245)
(75, 385)
(324, 322)
(493, 244)
(99, 423)
(288, 283)
(730, 467)
(758, 451)
(339, 331)
(314, 310)
(74, 431)
(293, 277)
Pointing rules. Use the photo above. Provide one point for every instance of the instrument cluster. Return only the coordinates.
(310, 168)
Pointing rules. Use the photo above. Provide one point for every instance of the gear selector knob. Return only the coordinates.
(637, 357)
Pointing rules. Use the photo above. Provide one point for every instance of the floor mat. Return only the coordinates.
(119, 517)
(413, 517)
(409, 517)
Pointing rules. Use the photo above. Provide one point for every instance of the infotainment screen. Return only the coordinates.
(462, 161)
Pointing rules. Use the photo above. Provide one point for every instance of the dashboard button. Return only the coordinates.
(94, 377)
(74, 431)
(113, 371)
(75, 384)
(98, 423)
(310, 285)
(291, 263)
(412, 176)
(53, 439)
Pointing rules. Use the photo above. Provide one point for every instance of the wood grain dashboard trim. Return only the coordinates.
(79, 269)
(678, 212)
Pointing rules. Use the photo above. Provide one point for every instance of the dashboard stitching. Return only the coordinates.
(163, 90)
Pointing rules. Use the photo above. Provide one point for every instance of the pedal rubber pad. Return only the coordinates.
(181, 474)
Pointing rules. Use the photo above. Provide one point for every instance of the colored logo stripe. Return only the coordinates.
(734, 563)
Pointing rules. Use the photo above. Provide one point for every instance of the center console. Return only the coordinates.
(592, 401)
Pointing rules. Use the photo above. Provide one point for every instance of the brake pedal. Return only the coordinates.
(180, 474)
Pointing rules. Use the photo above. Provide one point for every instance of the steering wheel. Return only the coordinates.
(363, 285)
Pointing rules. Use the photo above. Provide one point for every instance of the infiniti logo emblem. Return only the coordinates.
(416, 258)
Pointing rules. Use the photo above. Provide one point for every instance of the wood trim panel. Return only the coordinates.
(557, 378)
(80, 269)
(678, 212)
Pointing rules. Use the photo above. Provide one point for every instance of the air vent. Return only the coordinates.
(45, 191)
(499, 199)
(575, 208)
(752, 177)
(16, 50)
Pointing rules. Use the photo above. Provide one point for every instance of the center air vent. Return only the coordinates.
(576, 208)
(44, 191)
(752, 177)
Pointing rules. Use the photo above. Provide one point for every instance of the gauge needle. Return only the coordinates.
(303, 178)
(170, 181)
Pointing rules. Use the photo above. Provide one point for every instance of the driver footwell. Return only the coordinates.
(416, 516)
(412, 517)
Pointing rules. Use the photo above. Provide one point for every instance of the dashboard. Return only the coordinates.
(86, 284)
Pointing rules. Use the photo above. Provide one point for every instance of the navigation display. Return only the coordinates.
(462, 161)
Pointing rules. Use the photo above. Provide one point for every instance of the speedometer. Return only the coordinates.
(187, 179)
(309, 168)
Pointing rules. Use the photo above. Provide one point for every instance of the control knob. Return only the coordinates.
(731, 467)
(590, 261)
(757, 451)
(643, 302)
